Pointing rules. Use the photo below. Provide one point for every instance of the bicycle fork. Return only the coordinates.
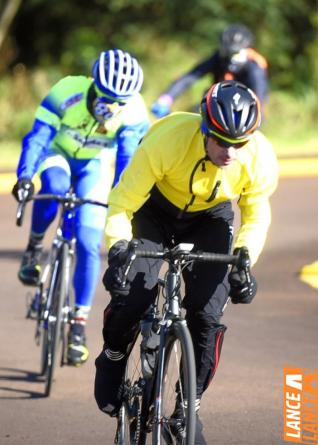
(159, 377)
(41, 295)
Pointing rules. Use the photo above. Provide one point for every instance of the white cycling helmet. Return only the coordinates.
(117, 74)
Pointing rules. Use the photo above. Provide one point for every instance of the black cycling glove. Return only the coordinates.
(243, 284)
(23, 189)
(114, 274)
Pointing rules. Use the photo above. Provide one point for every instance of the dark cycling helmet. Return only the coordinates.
(117, 74)
(230, 111)
(235, 38)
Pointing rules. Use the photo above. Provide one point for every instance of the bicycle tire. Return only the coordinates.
(178, 348)
(58, 287)
(42, 331)
(68, 302)
(42, 320)
(44, 352)
(129, 419)
(125, 434)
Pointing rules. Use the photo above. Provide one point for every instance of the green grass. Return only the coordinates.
(300, 146)
(289, 142)
(290, 121)
(9, 155)
(290, 124)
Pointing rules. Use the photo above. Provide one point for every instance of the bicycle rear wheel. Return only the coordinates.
(176, 388)
(56, 295)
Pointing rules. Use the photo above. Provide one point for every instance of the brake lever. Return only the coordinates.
(20, 211)
(131, 256)
(244, 263)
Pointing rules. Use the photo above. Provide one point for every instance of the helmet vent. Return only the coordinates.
(230, 109)
(118, 74)
(251, 116)
(237, 119)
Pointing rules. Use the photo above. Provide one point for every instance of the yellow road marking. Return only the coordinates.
(309, 274)
(297, 168)
(289, 168)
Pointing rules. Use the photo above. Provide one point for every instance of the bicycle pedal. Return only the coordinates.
(32, 314)
(33, 306)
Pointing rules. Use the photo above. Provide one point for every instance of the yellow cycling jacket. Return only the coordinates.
(172, 157)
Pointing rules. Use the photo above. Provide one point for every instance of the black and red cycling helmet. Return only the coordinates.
(230, 111)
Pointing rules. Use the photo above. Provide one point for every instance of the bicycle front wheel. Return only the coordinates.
(57, 293)
(174, 420)
(44, 351)
(127, 427)
(131, 423)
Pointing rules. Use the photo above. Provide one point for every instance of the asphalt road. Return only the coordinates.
(243, 405)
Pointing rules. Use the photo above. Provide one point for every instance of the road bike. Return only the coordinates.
(52, 304)
(161, 404)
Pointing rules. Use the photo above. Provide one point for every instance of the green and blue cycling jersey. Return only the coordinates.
(64, 124)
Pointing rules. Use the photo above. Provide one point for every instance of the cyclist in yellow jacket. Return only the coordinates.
(177, 188)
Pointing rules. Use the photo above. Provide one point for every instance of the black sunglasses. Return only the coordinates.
(107, 99)
(225, 144)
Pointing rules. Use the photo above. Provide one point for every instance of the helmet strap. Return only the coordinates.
(91, 96)
(205, 142)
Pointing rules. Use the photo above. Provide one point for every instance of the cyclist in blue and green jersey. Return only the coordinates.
(84, 133)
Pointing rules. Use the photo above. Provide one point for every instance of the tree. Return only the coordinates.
(10, 10)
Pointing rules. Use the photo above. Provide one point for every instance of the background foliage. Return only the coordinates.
(49, 39)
